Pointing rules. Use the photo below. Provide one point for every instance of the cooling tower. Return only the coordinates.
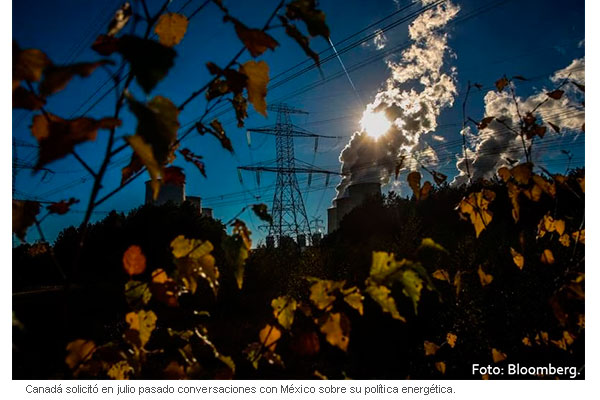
(355, 195)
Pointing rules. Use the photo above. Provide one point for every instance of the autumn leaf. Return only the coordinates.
(120, 19)
(337, 330)
(143, 155)
(581, 182)
(137, 293)
(283, 309)
(555, 127)
(120, 370)
(526, 341)
(194, 159)
(240, 106)
(484, 278)
(236, 254)
(547, 257)
(381, 295)
(504, 174)
(414, 181)
(442, 275)
(502, 83)
(78, 352)
(438, 177)
(240, 229)
(441, 366)
(518, 258)
(458, 281)
(61, 207)
(498, 356)
(134, 260)
(555, 94)
(144, 323)
(354, 299)
(269, 335)
(314, 18)
(430, 348)
(484, 123)
(255, 40)
(321, 293)
(171, 28)
(292, 31)
(28, 65)
(412, 286)
(476, 207)
(24, 213)
(428, 243)
(565, 240)
(174, 371)
(451, 339)
(216, 129)
(578, 236)
(258, 78)
(56, 78)
(522, 173)
(194, 260)
(150, 61)
(262, 212)
(23, 98)
(105, 45)
(57, 137)
(513, 194)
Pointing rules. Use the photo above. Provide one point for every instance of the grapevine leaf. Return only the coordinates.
(484, 123)
(354, 299)
(504, 174)
(555, 94)
(79, 351)
(143, 322)
(451, 339)
(283, 309)
(120, 19)
(150, 61)
(120, 370)
(28, 65)
(134, 260)
(193, 260)
(321, 293)
(413, 285)
(255, 40)
(502, 83)
(441, 366)
(547, 257)
(23, 98)
(262, 212)
(337, 329)
(258, 78)
(293, 32)
(143, 154)
(216, 129)
(381, 295)
(579, 236)
(430, 348)
(194, 159)
(517, 257)
(442, 275)
(137, 293)
(24, 213)
(314, 18)
(484, 278)
(555, 127)
(171, 28)
(438, 177)
(498, 356)
(61, 207)
(269, 335)
(57, 137)
(105, 45)
(56, 78)
(476, 207)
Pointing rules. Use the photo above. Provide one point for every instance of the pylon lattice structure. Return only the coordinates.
(288, 210)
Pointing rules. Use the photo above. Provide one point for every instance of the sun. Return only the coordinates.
(375, 124)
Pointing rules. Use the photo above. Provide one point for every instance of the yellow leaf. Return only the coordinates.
(413, 285)
(565, 240)
(269, 335)
(457, 281)
(255, 40)
(134, 260)
(581, 321)
(513, 194)
(381, 263)
(171, 28)
(526, 341)
(142, 321)
(442, 275)
(159, 276)
(283, 309)
(548, 187)
(484, 278)
(579, 236)
(533, 194)
(451, 339)
(522, 173)
(559, 226)
(120, 370)
(581, 182)
(336, 329)
(145, 153)
(174, 371)
(430, 348)
(79, 351)
(441, 366)
(504, 174)
(258, 79)
(518, 258)
(498, 356)
(547, 257)
(321, 293)
(476, 206)
(381, 295)
(354, 299)
(193, 248)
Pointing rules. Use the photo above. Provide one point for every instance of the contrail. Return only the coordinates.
(346, 71)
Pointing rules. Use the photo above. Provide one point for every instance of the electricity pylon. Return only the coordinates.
(288, 211)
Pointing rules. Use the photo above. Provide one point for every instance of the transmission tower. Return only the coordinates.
(288, 211)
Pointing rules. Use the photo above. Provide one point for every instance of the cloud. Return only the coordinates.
(493, 147)
(413, 112)
(379, 40)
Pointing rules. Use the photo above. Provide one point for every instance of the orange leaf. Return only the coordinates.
(498, 356)
(430, 348)
(484, 278)
(134, 261)
(547, 257)
(269, 335)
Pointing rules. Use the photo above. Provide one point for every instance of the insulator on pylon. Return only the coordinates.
(248, 138)
(258, 178)
(240, 176)
(326, 180)
(309, 179)
(316, 144)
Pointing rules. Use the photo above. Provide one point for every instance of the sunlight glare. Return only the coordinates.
(375, 124)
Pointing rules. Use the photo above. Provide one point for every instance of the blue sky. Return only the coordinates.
(529, 38)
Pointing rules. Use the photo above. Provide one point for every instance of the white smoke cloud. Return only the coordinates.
(496, 145)
(379, 40)
(413, 112)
